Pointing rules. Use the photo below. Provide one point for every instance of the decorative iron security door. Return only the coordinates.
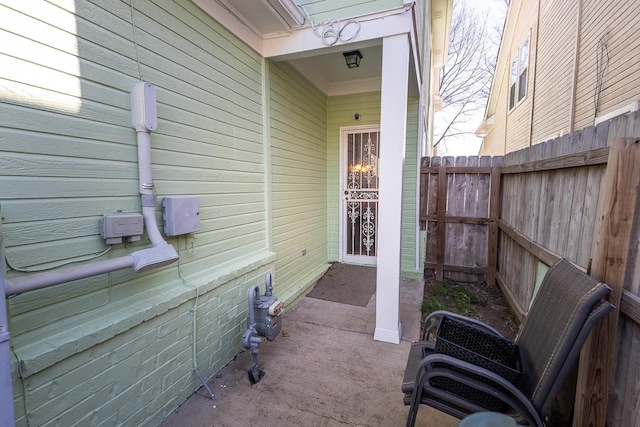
(361, 155)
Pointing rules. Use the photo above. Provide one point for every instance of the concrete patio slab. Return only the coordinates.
(325, 369)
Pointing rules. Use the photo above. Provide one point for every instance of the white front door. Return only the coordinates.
(360, 156)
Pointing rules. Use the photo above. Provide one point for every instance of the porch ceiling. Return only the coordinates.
(326, 67)
(328, 71)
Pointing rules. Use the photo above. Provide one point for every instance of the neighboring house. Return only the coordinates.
(562, 66)
(257, 118)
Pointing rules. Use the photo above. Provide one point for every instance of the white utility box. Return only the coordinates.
(144, 115)
(181, 215)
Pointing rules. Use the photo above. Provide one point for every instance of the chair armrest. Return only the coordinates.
(433, 320)
(507, 392)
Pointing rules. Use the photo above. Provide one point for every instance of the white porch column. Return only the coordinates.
(393, 121)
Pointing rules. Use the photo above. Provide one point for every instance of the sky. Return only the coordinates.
(469, 145)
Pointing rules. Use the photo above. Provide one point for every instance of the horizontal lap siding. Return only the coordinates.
(69, 156)
(621, 83)
(409, 202)
(554, 76)
(341, 112)
(71, 160)
(519, 119)
(298, 179)
(518, 125)
(494, 143)
(556, 67)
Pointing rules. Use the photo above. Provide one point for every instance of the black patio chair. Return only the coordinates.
(525, 378)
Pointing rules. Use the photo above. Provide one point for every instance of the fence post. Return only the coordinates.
(441, 212)
(492, 237)
(609, 261)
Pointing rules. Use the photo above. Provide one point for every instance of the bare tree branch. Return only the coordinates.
(465, 80)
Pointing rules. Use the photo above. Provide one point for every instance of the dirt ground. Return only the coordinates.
(484, 303)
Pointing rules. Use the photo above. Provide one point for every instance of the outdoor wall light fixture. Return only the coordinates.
(353, 58)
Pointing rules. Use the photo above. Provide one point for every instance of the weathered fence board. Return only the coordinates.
(616, 213)
(456, 215)
(547, 208)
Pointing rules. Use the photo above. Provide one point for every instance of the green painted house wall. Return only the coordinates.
(410, 197)
(116, 348)
(341, 113)
(298, 180)
(254, 140)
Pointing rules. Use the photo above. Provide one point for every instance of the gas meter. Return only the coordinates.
(263, 320)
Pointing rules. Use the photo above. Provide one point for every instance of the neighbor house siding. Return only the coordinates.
(573, 37)
(489, 147)
(554, 75)
(518, 125)
(299, 180)
(494, 143)
(115, 348)
(519, 118)
(617, 26)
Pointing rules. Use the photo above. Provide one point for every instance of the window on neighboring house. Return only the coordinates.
(518, 75)
(513, 75)
(523, 66)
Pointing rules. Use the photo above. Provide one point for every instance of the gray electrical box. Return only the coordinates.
(119, 225)
(181, 215)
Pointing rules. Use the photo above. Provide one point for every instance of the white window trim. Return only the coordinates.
(527, 41)
(515, 84)
(516, 57)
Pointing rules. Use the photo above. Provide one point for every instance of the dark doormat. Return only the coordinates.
(346, 284)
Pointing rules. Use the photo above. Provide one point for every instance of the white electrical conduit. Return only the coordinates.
(146, 188)
(143, 118)
(194, 336)
(55, 277)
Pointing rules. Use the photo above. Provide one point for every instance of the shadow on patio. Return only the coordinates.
(324, 369)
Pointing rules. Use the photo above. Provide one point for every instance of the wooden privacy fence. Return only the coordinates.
(459, 207)
(576, 197)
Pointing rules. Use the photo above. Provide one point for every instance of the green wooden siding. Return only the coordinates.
(66, 170)
(254, 140)
(341, 113)
(298, 180)
(409, 200)
(321, 11)
(69, 156)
